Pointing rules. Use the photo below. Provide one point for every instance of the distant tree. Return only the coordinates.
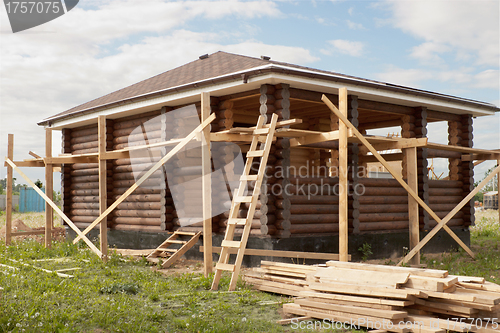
(39, 183)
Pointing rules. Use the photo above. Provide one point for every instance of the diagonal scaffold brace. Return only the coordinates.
(155, 167)
(441, 223)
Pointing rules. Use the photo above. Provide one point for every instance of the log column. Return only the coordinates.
(66, 173)
(422, 173)
(455, 139)
(281, 174)
(167, 207)
(353, 162)
(467, 169)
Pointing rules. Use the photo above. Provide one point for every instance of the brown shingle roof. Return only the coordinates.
(215, 65)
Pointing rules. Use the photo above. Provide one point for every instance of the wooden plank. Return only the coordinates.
(346, 288)
(390, 279)
(355, 319)
(387, 314)
(380, 143)
(284, 254)
(288, 321)
(184, 248)
(343, 180)
(431, 322)
(56, 209)
(206, 186)
(34, 155)
(465, 150)
(441, 223)
(432, 284)
(385, 268)
(28, 233)
(133, 253)
(356, 299)
(315, 138)
(8, 208)
(28, 164)
(164, 159)
(413, 212)
(103, 190)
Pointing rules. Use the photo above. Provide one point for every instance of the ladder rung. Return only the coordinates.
(225, 267)
(249, 177)
(175, 241)
(165, 249)
(243, 199)
(185, 233)
(237, 221)
(260, 131)
(255, 153)
(229, 243)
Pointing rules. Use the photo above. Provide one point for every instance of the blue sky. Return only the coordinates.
(451, 47)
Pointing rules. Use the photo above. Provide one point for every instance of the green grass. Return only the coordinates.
(485, 243)
(121, 296)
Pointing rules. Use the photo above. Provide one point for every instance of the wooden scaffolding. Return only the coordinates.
(346, 133)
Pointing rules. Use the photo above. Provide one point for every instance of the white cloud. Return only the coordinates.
(413, 77)
(466, 26)
(90, 52)
(351, 48)
(428, 52)
(354, 25)
(350, 11)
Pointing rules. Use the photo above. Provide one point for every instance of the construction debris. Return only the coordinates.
(393, 299)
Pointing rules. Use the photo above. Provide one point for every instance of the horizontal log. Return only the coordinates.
(458, 222)
(382, 200)
(314, 209)
(313, 228)
(254, 225)
(88, 138)
(137, 143)
(314, 180)
(84, 218)
(445, 184)
(143, 228)
(140, 205)
(282, 224)
(384, 191)
(393, 208)
(80, 166)
(158, 174)
(84, 151)
(120, 190)
(379, 182)
(314, 219)
(137, 220)
(137, 213)
(83, 145)
(84, 205)
(139, 122)
(85, 198)
(442, 207)
(85, 212)
(389, 226)
(142, 198)
(84, 186)
(445, 199)
(83, 131)
(318, 199)
(140, 137)
(383, 217)
(445, 191)
(150, 182)
(268, 229)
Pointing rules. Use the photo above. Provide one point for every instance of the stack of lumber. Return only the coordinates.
(393, 299)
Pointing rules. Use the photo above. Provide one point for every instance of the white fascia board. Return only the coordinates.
(381, 95)
(254, 82)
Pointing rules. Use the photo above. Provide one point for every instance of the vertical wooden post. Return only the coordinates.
(343, 180)
(8, 213)
(49, 187)
(206, 187)
(103, 190)
(412, 173)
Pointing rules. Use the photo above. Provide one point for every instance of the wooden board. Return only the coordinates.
(389, 279)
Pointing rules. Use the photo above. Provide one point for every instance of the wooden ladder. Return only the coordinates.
(233, 220)
(163, 251)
